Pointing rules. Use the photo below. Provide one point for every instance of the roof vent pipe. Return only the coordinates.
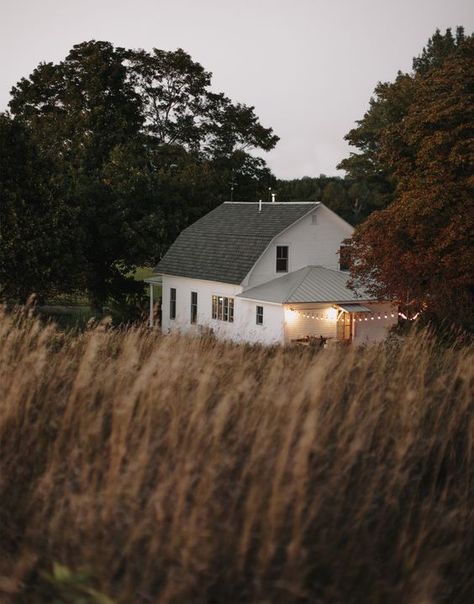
(260, 205)
(273, 197)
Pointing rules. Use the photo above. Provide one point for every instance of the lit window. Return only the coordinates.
(282, 259)
(223, 308)
(259, 315)
(194, 307)
(172, 303)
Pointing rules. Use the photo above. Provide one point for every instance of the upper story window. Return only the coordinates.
(282, 259)
(223, 308)
(172, 303)
(194, 307)
(344, 257)
(259, 315)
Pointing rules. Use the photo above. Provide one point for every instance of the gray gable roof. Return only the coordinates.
(308, 284)
(225, 244)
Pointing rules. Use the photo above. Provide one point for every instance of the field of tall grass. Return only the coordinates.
(137, 468)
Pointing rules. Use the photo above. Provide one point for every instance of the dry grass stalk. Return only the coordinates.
(190, 471)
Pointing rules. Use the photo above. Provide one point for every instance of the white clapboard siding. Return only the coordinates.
(299, 326)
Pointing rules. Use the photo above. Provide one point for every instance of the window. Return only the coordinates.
(172, 303)
(223, 308)
(194, 307)
(259, 316)
(345, 257)
(282, 259)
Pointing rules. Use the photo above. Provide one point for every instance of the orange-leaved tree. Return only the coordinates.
(419, 250)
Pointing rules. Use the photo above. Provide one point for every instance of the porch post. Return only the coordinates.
(150, 320)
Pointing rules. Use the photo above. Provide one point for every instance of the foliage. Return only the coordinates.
(35, 250)
(419, 249)
(439, 48)
(337, 193)
(62, 586)
(186, 470)
(137, 146)
(387, 108)
(180, 109)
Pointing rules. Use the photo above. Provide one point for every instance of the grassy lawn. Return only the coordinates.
(143, 272)
(70, 311)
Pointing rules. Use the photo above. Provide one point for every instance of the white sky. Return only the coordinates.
(308, 66)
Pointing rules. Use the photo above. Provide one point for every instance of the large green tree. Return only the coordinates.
(419, 249)
(139, 146)
(37, 246)
(78, 112)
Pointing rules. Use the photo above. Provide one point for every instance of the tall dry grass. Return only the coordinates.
(187, 471)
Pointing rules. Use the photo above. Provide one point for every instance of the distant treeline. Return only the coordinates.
(352, 200)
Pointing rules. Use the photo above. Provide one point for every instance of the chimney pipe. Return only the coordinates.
(260, 205)
(273, 197)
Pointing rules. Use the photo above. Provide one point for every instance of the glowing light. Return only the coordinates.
(291, 315)
(332, 314)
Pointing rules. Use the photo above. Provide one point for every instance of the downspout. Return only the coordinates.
(150, 319)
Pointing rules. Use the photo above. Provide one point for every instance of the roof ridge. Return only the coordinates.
(304, 270)
(333, 270)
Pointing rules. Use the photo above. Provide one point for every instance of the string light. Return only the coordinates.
(329, 315)
(404, 316)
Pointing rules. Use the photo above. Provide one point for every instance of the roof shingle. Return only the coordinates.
(225, 244)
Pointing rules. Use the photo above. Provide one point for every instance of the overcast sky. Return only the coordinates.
(308, 66)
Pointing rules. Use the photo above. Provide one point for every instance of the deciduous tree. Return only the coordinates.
(139, 145)
(419, 249)
(36, 243)
(388, 107)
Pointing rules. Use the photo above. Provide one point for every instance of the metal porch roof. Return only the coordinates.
(308, 284)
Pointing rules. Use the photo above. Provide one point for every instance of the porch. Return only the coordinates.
(335, 324)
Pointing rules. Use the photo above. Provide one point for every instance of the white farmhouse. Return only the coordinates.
(267, 273)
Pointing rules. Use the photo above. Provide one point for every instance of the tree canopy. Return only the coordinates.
(136, 145)
(388, 107)
(419, 249)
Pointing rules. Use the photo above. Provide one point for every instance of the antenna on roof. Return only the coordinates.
(232, 184)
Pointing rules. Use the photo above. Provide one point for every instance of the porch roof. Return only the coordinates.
(309, 284)
(354, 308)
